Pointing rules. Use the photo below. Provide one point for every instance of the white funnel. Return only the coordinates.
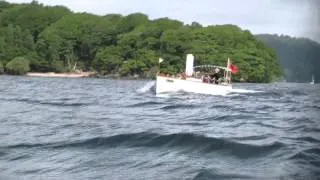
(189, 64)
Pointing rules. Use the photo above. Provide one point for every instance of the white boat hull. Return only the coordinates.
(168, 84)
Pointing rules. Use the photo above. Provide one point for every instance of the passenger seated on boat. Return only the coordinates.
(205, 79)
(211, 79)
(183, 76)
(216, 76)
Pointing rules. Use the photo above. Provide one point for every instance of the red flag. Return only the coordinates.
(233, 68)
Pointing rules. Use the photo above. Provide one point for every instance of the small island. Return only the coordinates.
(53, 41)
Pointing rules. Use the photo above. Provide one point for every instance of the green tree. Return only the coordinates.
(14, 42)
(18, 66)
(1, 68)
(34, 17)
(128, 23)
(75, 38)
(108, 60)
(55, 39)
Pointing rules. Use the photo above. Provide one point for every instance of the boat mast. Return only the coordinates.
(160, 61)
(228, 72)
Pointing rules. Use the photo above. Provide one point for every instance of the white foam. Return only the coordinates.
(244, 91)
(146, 87)
(163, 95)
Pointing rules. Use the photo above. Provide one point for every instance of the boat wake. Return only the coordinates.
(147, 87)
(244, 91)
(239, 92)
(233, 92)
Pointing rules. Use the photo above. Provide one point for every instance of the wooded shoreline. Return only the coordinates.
(61, 41)
(128, 47)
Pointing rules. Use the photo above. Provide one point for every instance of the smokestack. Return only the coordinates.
(189, 64)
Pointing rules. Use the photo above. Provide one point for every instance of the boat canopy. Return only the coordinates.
(210, 67)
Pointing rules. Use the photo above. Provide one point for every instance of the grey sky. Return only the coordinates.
(298, 18)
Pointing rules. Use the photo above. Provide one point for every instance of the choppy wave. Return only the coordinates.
(114, 129)
(178, 106)
(59, 102)
(206, 174)
(2, 153)
(153, 140)
(144, 104)
(309, 156)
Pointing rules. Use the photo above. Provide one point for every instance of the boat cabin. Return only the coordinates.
(212, 74)
(204, 73)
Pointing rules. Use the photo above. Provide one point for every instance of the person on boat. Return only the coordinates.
(205, 78)
(216, 76)
(211, 79)
(183, 76)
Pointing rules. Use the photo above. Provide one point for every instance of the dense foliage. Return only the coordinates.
(56, 39)
(1, 68)
(18, 66)
(299, 57)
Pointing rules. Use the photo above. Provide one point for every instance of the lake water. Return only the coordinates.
(59, 128)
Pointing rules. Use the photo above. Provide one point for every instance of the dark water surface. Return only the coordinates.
(56, 128)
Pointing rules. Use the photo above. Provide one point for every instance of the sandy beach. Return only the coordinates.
(69, 75)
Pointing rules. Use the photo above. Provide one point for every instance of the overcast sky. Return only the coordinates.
(298, 18)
